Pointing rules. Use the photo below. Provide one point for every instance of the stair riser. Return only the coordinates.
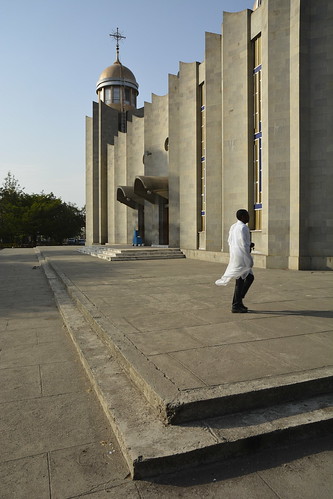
(255, 399)
(133, 258)
(228, 450)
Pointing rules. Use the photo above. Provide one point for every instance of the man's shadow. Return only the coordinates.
(327, 314)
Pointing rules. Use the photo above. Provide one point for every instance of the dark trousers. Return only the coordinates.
(241, 288)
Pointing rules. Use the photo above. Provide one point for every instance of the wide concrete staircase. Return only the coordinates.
(137, 253)
(162, 429)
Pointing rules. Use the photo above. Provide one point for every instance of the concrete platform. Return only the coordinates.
(169, 361)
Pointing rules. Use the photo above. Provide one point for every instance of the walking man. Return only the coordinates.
(241, 261)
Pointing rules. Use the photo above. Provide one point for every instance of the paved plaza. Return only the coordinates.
(55, 438)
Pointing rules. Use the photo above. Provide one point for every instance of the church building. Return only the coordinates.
(251, 126)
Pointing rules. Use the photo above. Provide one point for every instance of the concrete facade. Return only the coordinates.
(200, 141)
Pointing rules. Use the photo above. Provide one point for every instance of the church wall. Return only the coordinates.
(297, 155)
(213, 149)
(189, 154)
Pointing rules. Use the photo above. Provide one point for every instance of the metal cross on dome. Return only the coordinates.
(117, 36)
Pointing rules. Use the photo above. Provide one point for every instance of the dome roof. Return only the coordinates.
(117, 74)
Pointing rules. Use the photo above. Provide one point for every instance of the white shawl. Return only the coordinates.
(241, 262)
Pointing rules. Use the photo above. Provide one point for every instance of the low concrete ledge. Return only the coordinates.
(222, 257)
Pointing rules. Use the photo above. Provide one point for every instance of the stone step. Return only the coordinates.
(140, 253)
(152, 447)
(143, 257)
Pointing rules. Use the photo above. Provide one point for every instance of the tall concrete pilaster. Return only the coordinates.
(316, 133)
(213, 142)
(174, 166)
(189, 154)
(92, 176)
(237, 125)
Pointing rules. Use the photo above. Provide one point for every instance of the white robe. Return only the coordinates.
(241, 262)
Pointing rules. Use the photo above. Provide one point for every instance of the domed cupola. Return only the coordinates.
(117, 86)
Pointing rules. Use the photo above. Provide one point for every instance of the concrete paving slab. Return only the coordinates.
(217, 334)
(42, 427)
(20, 383)
(26, 477)
(163, 321)
(232, 363)
(68, 379)
(182, 377)
(122, 491)
(305, 355)
(290, 481)
(96, 466)
(11, 338)
(33, 354)
(163, 341)
(281, 326)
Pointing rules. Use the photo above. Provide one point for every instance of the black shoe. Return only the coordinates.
(239, 310)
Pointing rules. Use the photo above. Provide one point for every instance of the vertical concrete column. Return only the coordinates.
(135, 166)
(213, 157)
(108, 127)
(111, 194)
(89, 180)
(120, 178)
(174, 167)
(316, 132)
(92, 175)
(276, 131)
(189, 154)
(294, 227)
(155, 157)
(237, 119)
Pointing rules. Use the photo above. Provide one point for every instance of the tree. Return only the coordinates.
(11, 209)
(33, 217)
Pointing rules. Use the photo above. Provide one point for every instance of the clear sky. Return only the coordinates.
(52, 53)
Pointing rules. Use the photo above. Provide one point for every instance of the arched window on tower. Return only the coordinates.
(127, 96)
(107, 96)
(116, 95)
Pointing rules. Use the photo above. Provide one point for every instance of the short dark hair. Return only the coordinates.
(240, 214)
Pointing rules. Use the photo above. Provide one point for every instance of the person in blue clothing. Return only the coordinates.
(240, 262)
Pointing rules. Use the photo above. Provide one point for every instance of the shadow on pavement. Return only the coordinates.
(238, 467)
(305, 313)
